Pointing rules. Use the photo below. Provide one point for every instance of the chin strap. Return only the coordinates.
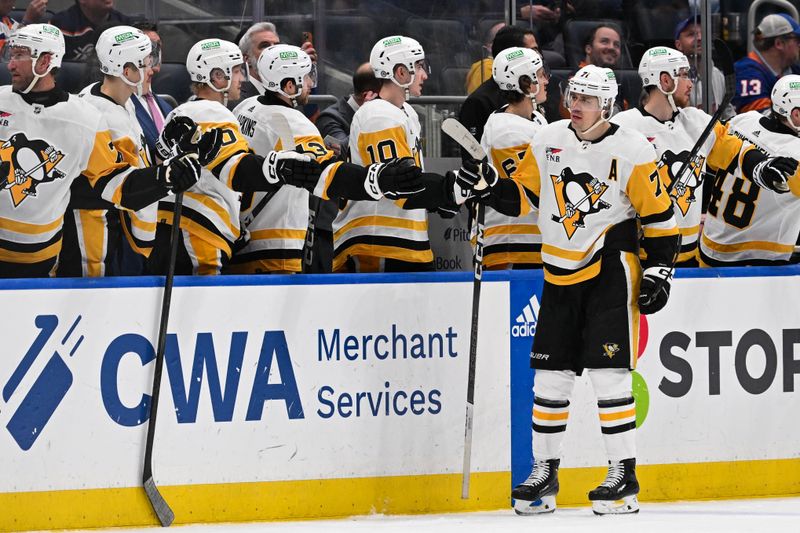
(138, 84)
(36, 77)
(603, 118)
(669, 94)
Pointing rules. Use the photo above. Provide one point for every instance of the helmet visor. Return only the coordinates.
(155, 54)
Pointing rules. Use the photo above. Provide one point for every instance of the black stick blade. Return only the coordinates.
(159, 504)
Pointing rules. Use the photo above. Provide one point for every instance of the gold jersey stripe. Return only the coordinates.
(512, 258)
(38, 256)
(516, 229)
(278, 234)
(31, 229)
(659, 232)
(261, 266)
(387, 252)
(610, 417)
(750, 245)
(210, 204)
(584, 274)
(377, 220)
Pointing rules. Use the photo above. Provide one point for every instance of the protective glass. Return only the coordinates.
(423, 65)
(15, 53)
(587, 102)
(311, 77)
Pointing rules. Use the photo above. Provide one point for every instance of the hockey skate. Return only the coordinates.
(617, 494)
(537, 494)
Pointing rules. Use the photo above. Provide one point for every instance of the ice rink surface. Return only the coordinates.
(761, 515)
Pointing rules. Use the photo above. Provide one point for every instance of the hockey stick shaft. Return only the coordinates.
(473, 349)
(160, 506)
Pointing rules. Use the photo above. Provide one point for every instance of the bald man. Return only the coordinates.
(335, 120)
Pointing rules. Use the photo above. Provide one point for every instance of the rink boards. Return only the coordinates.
(320, 396)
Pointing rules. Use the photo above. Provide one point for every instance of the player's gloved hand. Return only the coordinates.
(773, 173)
(179, 173)
(475, 178)
(447, 211)
(292, 168)
(209, 145)
(398, 178)
(654, 289)
(179, 132)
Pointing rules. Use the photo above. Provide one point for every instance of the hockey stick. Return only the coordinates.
(284, 131)
(160, 506)
(456, 131)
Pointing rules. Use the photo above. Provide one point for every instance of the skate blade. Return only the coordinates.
(627, 505)
(547, 504)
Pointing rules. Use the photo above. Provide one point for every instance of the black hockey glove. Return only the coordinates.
(179, 132)
(475, 178)
(774, 173)
(654, 289)
(399, 178)
(209, 145)
(291, 168)
(179, 173)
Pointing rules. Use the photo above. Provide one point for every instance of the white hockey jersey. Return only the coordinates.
(211, 206)
(93, 233)
(591, 191)
(380, 132)
(744, 222)
(510, 240)
(43, 150)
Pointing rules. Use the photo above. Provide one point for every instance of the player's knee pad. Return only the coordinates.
(553, 384)
(611, 383)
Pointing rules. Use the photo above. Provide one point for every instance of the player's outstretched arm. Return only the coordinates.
(512, 197)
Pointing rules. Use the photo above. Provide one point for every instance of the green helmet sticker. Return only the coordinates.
(125, 37)
(515, 54)
(210, 45)
(288, 55)
(611, 76)
(47, 28)
(393, 41)
(795, 85)
(658, 52)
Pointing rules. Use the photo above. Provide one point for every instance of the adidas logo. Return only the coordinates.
(525, 324)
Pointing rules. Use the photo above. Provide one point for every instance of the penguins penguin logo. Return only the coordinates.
(577, 196)
(26, 163)
(682, 188)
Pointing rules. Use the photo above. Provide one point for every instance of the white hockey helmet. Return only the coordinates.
(786, 96)
(661, 59)
(210, 54)
(596, 81)
(392, 51)
(39, 39)
(512, 64)
(282, 61)
(120, 46)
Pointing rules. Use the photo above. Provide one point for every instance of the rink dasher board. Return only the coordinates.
(234, 458)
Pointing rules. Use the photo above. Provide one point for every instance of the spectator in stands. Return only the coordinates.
(543, 16)
(259, 36)
(151, 109)
(335, 120)
(776, 53)
(34, 13)
(603, 48)
(481, 70)
(80, 22)
(486, 98)
(689, 40)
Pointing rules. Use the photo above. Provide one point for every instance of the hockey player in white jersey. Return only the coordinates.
(673, 127)
(387, 235)
(589, 180)
(52, 142)
(94, 230)
(211, 215)
(519, 72)
(210, 221)
(758, 223)
(276, 224)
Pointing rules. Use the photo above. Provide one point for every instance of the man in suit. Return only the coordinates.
(151, 109)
